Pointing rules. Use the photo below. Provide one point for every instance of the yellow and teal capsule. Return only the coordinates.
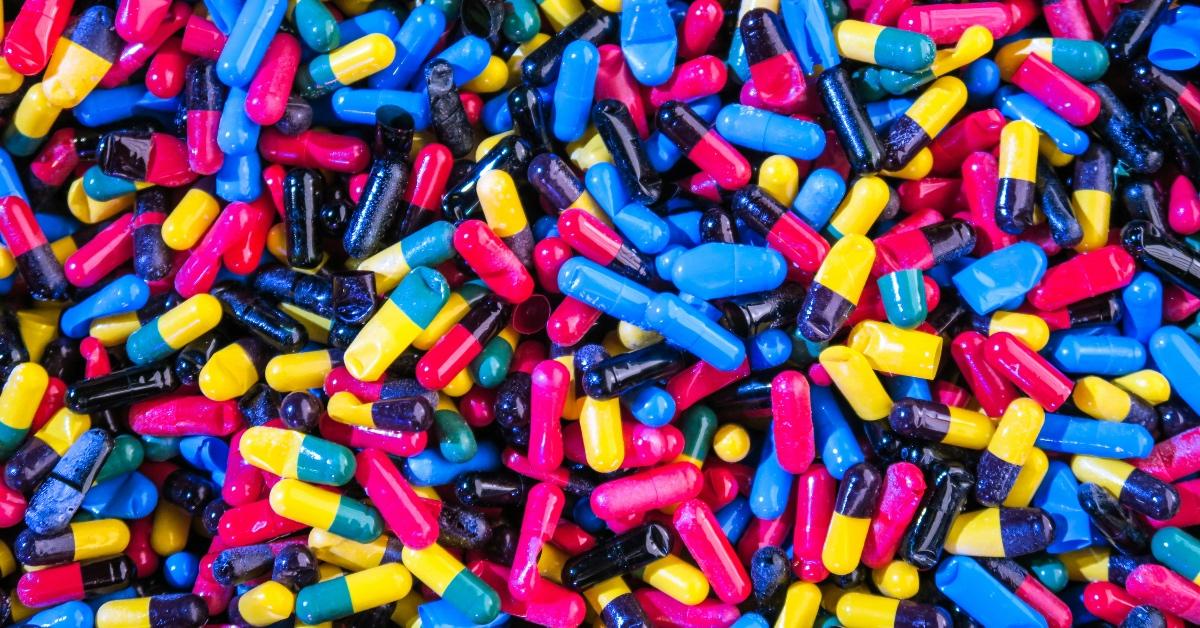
(1000, 532)
(191, 217)
(889, 349)
(456, 439)
(863, 610)
(352, 555)
(294, 372)
(410, 309)
(428, 246)
(1178, 550)
(354, 593)
(1083, 59)
(448, 578)
(1132, 486)
(884, 46)
(346, 65)
(858, 383)
(1007, 451)
(923, 121)
(265, 604)
(233, 369)
(490, 367)
(296, 455)
(456, 307)
(861, 207)
(836, 288)
(409, 414)
(1091, 195)
(1018, 176)
(159, 611)
(320, 508)
(853, 509)
(172, 331)
(31, 123)
(940, 423)
(19, 400)
(82, 58)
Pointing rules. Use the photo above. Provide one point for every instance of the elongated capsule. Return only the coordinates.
(450, 580)
(940, 423)
(173, 330)
(292, 454)
(1018, 175)
(858, 383)
(408, 311)
(1000, 532)
(24, 388)
(1007, 451)
(185, 610)
(38, 455)
(857, 498)
(341, 597)
(81, 541)
(1133, 487)
(703, 146)
(923, 121)
(862, 610)
(320, 508)
(836, 288)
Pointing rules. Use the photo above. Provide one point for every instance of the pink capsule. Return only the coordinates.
(254, 523)
(200, 270)
(647, 490)
(493, 261)
(1067, 19)
(1165, 589)
(267, 96)
(1026, 369)
(1086, 275)
(945, 23)
(615, 81)
(550, 382)
(216, 596)
(402, 510)
(702, 535)
(700, 77)
(101, 255)
(976, 131)
(815, 493)
(137, 19)
(1183, 207)
(1189, 507)
(1178, 304)
(185, 415)
(1174, 458)
(135, 55)
(645, 446)
(885, 12)
(243, 481)
(1056, 89)
(903, 487)
(699, 27)
(243, 255)
(315, 149)
(993, 391)
(543, 507)
(571, 321)
(165, 74)
(699, 381)
(32, 37)
(549, 604)
(792, 426)
(664, 610)
(202, 38)
(763, 532)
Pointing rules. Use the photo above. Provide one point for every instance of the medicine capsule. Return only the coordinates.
(940, 423)
(408, 311)
(836, 288)
(1000, 532)
(184, 610)
(1018, 174)
(25, 385)
(704, 147)
(291, 454)
(73, 581)
(173, 330)
(409, 414)
(853, 509)
(320, 508)
(784, 230)
(923, 121)
(1133, 487)
(1100, 399)
(861, 610)
(884, 46)
(450, 580)
(1007, 451)
(81, 541)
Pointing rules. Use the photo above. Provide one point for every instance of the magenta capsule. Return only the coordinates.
(1174, 458)
(645, 446)
(702, 535)
(426, 183)
(27, 243)
(945, 23)
(136, 55)
(1067, 19)
(703, 146)
(199, 271)
(493, 261)
(614, 81)
(1084, 276)
(776, 72)
(903, 488)
(158, 158)
(703, 76)
(647, 490)
(185, 415)
(204, 98)
(254, 523)
(244, 482)
(1059, 91)
(543, 507)
(1027, 370)
(202, 38)
(138, 19)
(784, 230)
(165, 73)
(246, 250)
(1167, 590)
(664, 610)
(394, 442)
(599, 243)
(571, 321)
(315, 149)
(32, 37)
(548, 257)
(993, 391)
(267, 96)
(401, 508)
(550, 382)
(793, 424)
(976, 131)
(101, 255)
(1183, 206)
(699, 28)
(815, 492)
(700, 380)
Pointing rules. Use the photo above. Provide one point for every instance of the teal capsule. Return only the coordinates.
(356, 60)
(490, 367)
(127, 454)
(104, 187)
(522, 22)
(456, 439)
(160, 448)
(903, 296)
(1085, 60)
(292, 454)
(315, 25)
(1178, 550)
(1050, 571)
(884, 46)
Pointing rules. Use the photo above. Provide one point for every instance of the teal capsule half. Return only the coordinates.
(104, 187)
(315, 25)
(903, 296)
(456, 439)
(1178, 550)
(490, 367)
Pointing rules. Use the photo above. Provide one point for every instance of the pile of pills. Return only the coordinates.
(621, 313)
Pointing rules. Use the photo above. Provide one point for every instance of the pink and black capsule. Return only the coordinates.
(776, 72)
(204, 97)
(39, 267)
(926, 247)
(158, 158)
(785, 231)
(152, 258)
(703, 146)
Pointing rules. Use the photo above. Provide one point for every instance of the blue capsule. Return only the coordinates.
(648, 40)
(687, 328)
(839, 447)
(60, 495)
(808, 27)
(613, 294)
(1017, 105)
(1001, 277)
(884, 112)
(734, 518)
(650, 405)
(574, 90)
(819, 197)
(129, 496)
(180, 569)
(207, 453)
(468, 56)
(1098, 355)
(1142, 306)
(248, 39)
(1178, 358)
(1090, 437)
(769, 349)
(982, 596)
(685, 227)
(378, 21)
(717, 270)
(237, 134)
(768, 132)
(358, 106)
(443, 612)
(66, 615)
(1058, 497)
(982, 79)
(496, 117)
(240, 178)
(751, 620)
(772, 486)
(124, 294)
(429, 468)
(414, 41)
(10, 181)
(908, 387)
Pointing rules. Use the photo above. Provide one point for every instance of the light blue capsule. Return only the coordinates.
(819, 197)
(429, 468)
(496, 117)
(248, 40)
(574, 90)
(1110, 356)
(1142, 306)
(768, 132)
(124, 294)
(717, 270)
(839, 448)
(1017, 105)
(650, 405)
(358, 106)
(604, 290)
(66, 615)
(414, 41)
(1090, 437)
(772, 486)
(648, 40)
(237, 134)
(687, 328)
(380, 21)
(10, 181)
(1178, 358)
(1001, 277)
(240, 178)
(734, 518)
(468, 56)
(982, 596)
(1058, 496)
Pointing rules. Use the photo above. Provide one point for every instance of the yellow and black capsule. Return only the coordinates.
(1030, 329)
(1100, 564)
(1000, 532)
(1018, 177)
(853, 509)
(1133, 487)
(923, 121)
(82, 58)
(863, 610)
(232, 370)
(940, 423)
(1101, 399)
(1001, 462)
(81, 540)
(1091, 196)
(836, 288)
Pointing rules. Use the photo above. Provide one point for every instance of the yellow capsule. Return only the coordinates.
(397, 322)
(560, 13)
(10, 79)
(847, 267)
(170, 531)
(800, 605)
(600, 595)
(780, 177)
(1050, 151)
(916, 169)
(501, 204)
(1148, 384)
(938, 105)
(294, 372)
(277, 242)
(8, 263)
(1099, 399)
(603, 442)
(634, 337)
(72, 73)
(844, 542)
(677, 578)
(405, 612)
(588, 150)
(1028, 480)
(316, 325)
(897, 579)
(889, 349)
(831, 594)
(99, 538)
(266, 604)
(114, 330)
(864, 610)
(8, 562)
(550, 563)
(1017, 431)
(351, 555)
(974, 42)
(190, 219)
(1093, 209)
(493, 78)
(1109, 474)
(460, 385)
(1089, 564)
(448, 578)
(1028, 328)
(19, 611)
(229, 372)
(321, 508)
(860, 208)
(573, 406)
(454, 310)
(852, 375)
(731, 443)
(362, 58)
(1019, 151)
(63, 429)
(19, 400)
(90, 211)
(38, 328)
(31, 122)
(968, 429)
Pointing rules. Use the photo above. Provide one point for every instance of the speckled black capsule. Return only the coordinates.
(450, 122)
(189, 490)
(624, 611)
(121, 388)
(620, 136)
(309, 292)
(1121, 132)
(530, 113)
(354, 296)
(378, 208)
(511, 154)
(617, 556)
(863, 149)
(770, 575)
(1130, 31)
(257, 316)
(620, 374)
(1144, 616)
(1164, 255)
(716, 225)
(60, 495)
(491, 488)
(1025, 530)
(463, 528)
(945, 497)
(259, 405)
(297, 117)
(176, 609)
(512, 407)
(12, 346)
(295, 567)
(1056, 206)
(752, 314)
(303, 196)
(595, 25)
(1116, 522)
(151, 256)
(239, 564)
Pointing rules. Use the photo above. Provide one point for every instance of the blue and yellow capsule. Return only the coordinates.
(233, 369)
(82, 58)
(26, 469)
(352, 555)
(889, 349)
(81, 540)
(409, 414)
(409, 310)
(884, 46)
(940, 423)
(1091, 195)
(292, 454)
(294, 372)
(1030, 329)
(1018, 175)
(1178, 550)
(853, 509)
(858, 383)
(192, 216)
(174, 329)
(352, 62)
(1084, 60)
(320, 508)
(354, 593)
(860, 208)
(429, 246)
(923, 121)
(1133, 487)
(1000, 532)
(19, 401)
(31, 123)
(836, 288)
(159, 611)
(448, 578)
(1101, 399)
(1001, 462)
(265, 604)
(863, 610)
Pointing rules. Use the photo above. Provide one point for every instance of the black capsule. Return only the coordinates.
(189, 490)
(945, 498)
(617, 556)
(1130, 31)
(108, 573)
(1169, 125)
(178, 610)
(62, 359)
(309, 292)
(531, 117)
(122, 388)
(1098, 310)
(595, 25)
(1144, 616)
(297, 117)
(1116, 522)
(746, 400)
(1056, 206)
(192, 358)
(716, 225)
(378, 208)
(619, 374)
(483, 19)
(1121, 132)
(463, 528)
(554, 179)
(624, 611)
(259, 317)
(152, 259)
(752, 314)
(239, 564)
(301, 411)
(620, 136)
(491, 488)
(210, 518)
(260, 404)
(1164, 255)
(1176, 417)
(858, 492)
(502, 547)
(295, 567)
(446, 111)
(511, 154)
(202, 90)
(303, 196)
(770, 575)
(29, 465)
(863, 149)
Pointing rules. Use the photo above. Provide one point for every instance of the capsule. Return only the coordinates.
(857, 498)
(1133, 487)
(884, 46)
(23, 389)
(450, 580)
(1018, 175)
(408, 311)
(861, 610)
(81, 541)
(453, 351)
(1028, 370)
(698, 529)
(784, 230)
(38, 455)
(341, 597)
(1007, 451)
(291, 454)
(43, 273)
(923, 121)
(858, 383)
(704, 147)
(1000, 532)
(940, 423)
(185, 610)
(836, 288)
(320, 508)
(1101, 399)
(73, 581)
(890, 349)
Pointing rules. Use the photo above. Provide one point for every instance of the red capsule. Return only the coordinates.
(12, 506)
(136, 54)
(1103, 12)
(101, 255)
(267, 96)
(702, 535)
(32, 37)
(1112, 604)
(1067, 19)
(646, 490)
(548, 257)
(494, 262)
(315, 149)
(202, 38)
(993, 391)
(1178, 304)
(792, 425)
(699, 27)
(1174, 458)
(543, 507)
(57, 160)
(273, 176)
(53, 400)
(426, 184)
(73, 581)
(243, 481)
(615, 81)
(1059, 91)
(185, 415)
(720, 488)
(700, 380)
(1166, 590)
(254, 523)
(1027, 370)
(976, 131)
(164, 76)
(763, 532)
(903, 487)
(1086, 275)
(700, 77)
(664, 610)
(815, 493)
(945, 23)
(550, 382)
(776, 72)
(571, 538)
(204, 99)
(235, 223)
(139, 549)
(402, 509)
(934, 193)
(246, 250)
